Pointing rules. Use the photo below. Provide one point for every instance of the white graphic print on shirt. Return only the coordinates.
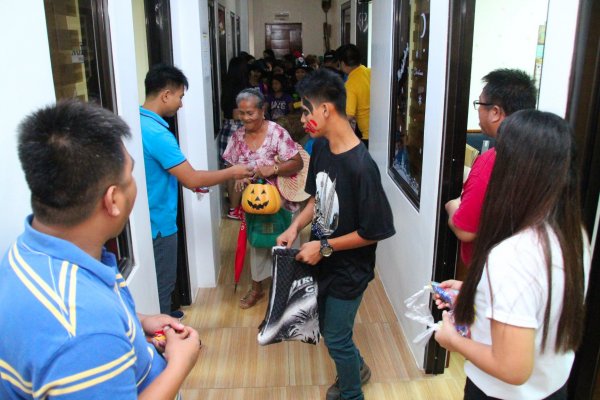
(327, 210)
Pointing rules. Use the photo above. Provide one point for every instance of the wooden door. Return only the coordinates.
(584, 115)
(214, 67)
(283, 38)
(346, 23)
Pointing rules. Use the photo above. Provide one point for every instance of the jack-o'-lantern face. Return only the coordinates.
(261, 199)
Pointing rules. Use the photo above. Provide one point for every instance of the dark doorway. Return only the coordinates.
(362, 30)
(584, 115)
(234, 44)
(214, 76)
(283, 38)
(80, 53)
(346, 23)
(458, 64)
(222, 36)
(160, 50)
(238, 36)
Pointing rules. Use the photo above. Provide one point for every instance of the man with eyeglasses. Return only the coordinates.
(506, 91)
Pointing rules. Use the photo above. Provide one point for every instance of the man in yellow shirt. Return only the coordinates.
(358, 89)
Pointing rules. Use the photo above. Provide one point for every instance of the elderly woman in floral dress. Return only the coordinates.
(269, 148)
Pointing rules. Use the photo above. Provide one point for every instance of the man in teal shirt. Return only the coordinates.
(165, 165)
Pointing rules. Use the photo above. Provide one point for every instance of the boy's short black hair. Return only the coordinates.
(324, 85)
(70, 153)
(329, 56)
(349, 54)
(163, 76)
(280, 78)
(270, 53)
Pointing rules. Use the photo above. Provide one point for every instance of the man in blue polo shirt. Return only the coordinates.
(165, 165)
(68, 320)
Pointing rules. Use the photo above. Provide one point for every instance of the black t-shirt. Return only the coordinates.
(348, 197)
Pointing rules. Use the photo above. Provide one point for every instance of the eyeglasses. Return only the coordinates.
(477, 103)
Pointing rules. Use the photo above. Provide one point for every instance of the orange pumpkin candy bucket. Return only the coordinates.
(261, 198)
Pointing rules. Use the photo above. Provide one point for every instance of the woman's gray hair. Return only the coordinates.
(251, 94)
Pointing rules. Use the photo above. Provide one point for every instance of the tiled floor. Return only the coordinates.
(233, 366)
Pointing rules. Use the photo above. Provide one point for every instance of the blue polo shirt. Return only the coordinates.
(161, 153)
(69, 325)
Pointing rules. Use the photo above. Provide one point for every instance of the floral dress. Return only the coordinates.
(278, 142)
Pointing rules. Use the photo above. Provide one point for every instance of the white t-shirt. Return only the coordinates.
(517, 271)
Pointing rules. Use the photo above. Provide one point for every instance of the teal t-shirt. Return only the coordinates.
(161, 153)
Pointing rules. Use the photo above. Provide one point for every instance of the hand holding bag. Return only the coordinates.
(293, 311)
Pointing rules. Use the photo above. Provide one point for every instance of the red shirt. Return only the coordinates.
(471, 200)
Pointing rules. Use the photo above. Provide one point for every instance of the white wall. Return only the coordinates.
(504, 45)
(26, 81)
(307, 12)
(558, 56)
(141, 46)
(191, 53)
(29, 76)
(243, 8)
(405, 261)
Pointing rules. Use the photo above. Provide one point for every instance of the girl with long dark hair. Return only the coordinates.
(234, 82)
(524, 294)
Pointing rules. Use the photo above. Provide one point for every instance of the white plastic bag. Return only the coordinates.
(418, 310)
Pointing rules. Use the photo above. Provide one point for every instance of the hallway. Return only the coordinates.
(231, 365)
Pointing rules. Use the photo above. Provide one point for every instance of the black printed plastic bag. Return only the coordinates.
(293, 312)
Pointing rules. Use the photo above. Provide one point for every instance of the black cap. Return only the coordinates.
(329, 56)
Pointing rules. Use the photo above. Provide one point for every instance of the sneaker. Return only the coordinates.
(234, 213)
(333, 393)
(177, 314)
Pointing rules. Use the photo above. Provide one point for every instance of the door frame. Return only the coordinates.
(160, 50)
(583, 112)
(343, 33)
(215, 76)
(362, 36)
(460, 51)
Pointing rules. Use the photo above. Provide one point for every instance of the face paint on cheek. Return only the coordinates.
(311, 126)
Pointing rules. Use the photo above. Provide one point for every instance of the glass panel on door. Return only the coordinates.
(79, 41)
(409, 97)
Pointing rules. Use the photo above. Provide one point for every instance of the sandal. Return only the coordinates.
(250, 299)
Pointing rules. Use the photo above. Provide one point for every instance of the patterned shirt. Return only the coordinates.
(278, 142)
(279, 106)
(69, 325)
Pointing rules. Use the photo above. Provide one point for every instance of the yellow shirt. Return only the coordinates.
(358, 98)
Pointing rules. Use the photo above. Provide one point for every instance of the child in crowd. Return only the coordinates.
(279, 103)
(255, 79)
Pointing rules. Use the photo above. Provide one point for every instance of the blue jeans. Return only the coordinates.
(336, 318)
(165, 259)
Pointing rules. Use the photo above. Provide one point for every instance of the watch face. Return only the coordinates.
(326, 251)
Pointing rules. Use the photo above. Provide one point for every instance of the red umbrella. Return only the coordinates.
(240, 251)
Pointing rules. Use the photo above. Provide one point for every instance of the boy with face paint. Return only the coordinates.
(350, 213)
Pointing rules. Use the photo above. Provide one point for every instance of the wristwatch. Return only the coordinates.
(326, 249)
